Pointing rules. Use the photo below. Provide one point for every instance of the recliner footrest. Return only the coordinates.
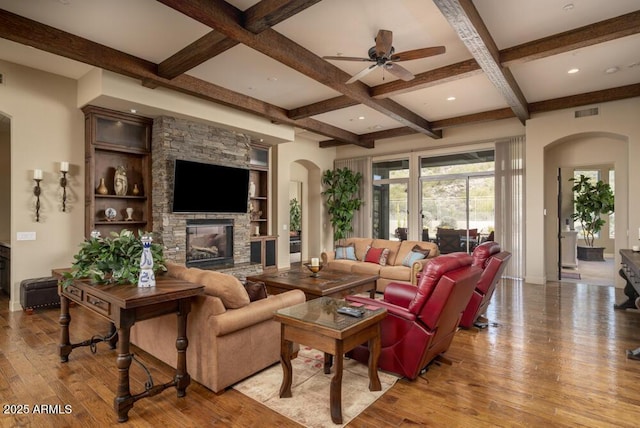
(39, 293)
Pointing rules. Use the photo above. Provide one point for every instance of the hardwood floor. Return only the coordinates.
(554, 357)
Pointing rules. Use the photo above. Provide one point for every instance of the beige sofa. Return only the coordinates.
(393, 271)
(230, 338)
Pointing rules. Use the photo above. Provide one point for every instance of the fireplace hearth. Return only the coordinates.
(209, 243)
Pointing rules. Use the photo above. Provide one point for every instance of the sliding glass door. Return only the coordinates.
(390, 199)
(458, 202)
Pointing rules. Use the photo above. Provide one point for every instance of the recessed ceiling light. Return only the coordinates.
(612, 70)
(573, 70)
(451, 98)
(567, 7)
(360, 117)
(133, 110)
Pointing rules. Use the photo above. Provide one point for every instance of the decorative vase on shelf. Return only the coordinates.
(129, 211)
(120, 181)
(136, 190)
(147, 278)
(102, 188)
(252, 189)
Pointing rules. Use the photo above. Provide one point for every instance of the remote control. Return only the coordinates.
(353, 312)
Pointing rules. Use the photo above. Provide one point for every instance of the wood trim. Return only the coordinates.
(596, 97)
(267, 13)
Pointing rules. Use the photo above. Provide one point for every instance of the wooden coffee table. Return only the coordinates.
(316, 323)
(328, 283)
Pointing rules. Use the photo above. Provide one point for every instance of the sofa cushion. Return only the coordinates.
(416, 253)
(227, 287)
(377, 255)
(346, 252)
(396, 273)
(368, 268)
(407, 246)
(361, 245)
(342, 265)
(393, 247)
(256, 290)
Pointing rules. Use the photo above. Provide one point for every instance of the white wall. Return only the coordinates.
(585, 150)
(618, 118)
(317, 234)
(47, 128)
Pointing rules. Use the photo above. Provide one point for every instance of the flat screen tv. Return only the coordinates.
(204, 187)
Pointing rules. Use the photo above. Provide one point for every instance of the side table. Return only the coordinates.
(316, 323)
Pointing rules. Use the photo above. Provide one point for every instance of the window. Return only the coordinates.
(390, 199)
(458, 192)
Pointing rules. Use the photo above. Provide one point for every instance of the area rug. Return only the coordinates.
(309, 404)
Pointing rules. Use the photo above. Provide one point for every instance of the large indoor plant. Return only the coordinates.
(591, 202)
(343, 187)
(112, 260)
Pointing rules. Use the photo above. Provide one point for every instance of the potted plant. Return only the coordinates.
(295, 217)
(592, 201)
(112, 260)
(343, 186)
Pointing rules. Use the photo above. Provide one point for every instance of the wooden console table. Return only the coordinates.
(123, 305)
(631, 264)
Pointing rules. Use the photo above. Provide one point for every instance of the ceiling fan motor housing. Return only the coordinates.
(380, 59)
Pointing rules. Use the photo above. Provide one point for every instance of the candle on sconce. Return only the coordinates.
(315, 261)
(64, 166)
(37, 174)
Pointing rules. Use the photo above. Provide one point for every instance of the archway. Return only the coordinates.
(304, 179)
(596, 151)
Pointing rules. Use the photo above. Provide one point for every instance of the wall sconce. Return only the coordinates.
(37, 177)
(64, 168)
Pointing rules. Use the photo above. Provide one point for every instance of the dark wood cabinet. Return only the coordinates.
(114, 139)
(263, 244)
(5, 269)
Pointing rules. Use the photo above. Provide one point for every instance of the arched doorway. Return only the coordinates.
(305, 186)
(606, 155)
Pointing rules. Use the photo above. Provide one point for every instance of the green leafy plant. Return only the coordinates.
(295, 215)
(343, 186)
(591, 202)
(112, 260)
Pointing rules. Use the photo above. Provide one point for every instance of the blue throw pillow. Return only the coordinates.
(347, 252)
(416, 253)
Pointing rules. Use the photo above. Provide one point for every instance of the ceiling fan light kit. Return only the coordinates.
(383, 55)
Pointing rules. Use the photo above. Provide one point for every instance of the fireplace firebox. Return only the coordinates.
(209, 243)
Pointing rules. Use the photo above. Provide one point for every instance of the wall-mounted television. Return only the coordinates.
(203, 187)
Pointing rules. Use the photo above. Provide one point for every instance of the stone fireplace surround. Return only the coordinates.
(175, 138)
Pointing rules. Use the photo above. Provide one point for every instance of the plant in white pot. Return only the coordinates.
(592, 201)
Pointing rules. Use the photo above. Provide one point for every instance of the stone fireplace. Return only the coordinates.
(175, 138)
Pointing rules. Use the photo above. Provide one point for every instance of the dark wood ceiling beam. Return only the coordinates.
(28, 32)
(468, 119)
(320, 107)
(31, 33)
(596, 97)
(465, 20)
(368, 144)
(438, 76)
(214, 13)
(600, 32)
(257, 18)
(267, 13)
(203, 49)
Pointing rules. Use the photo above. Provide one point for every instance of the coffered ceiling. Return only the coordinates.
(503, 60)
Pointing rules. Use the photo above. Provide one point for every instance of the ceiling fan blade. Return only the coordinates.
(384, 40)
(362, 73)
(418, 53)
(399, 71)
(347, 58)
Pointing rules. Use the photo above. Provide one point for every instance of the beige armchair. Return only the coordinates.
(226, 344)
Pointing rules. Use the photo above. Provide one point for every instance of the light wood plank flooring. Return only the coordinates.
(554, 357)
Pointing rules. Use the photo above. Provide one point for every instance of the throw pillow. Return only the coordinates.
(377, 255)
(256, 290)
(346, 252)
(416, 253)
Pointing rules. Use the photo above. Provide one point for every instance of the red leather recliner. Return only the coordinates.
(422, 320)
(493, 263)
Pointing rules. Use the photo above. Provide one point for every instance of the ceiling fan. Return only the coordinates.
(383, 55)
